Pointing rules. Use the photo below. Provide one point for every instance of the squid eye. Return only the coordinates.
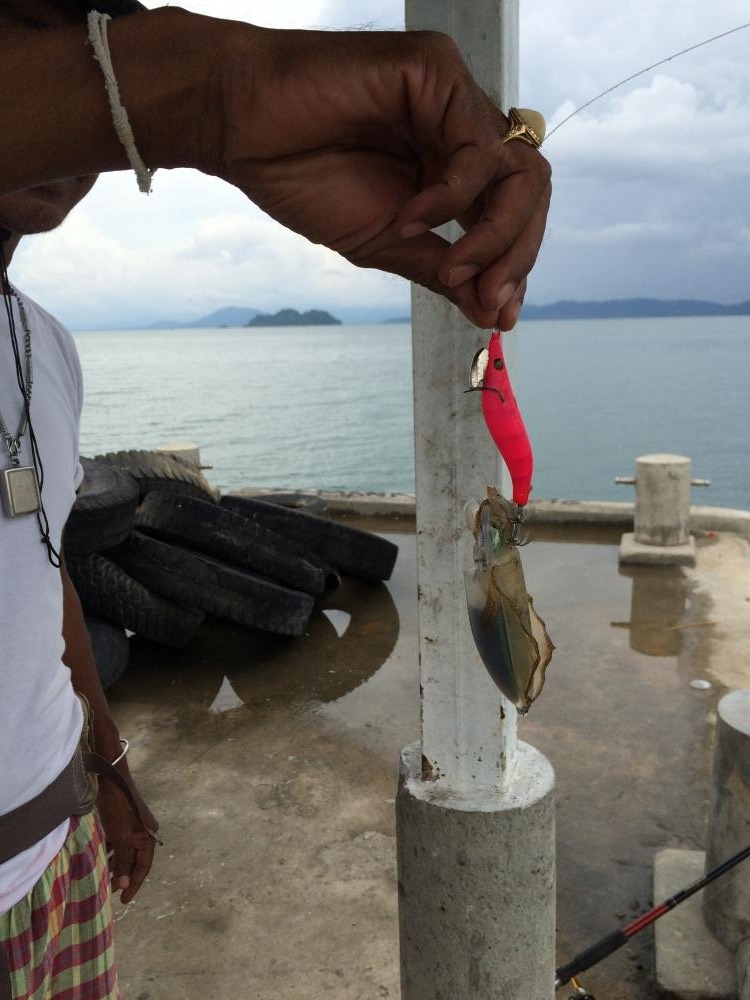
(498, 364)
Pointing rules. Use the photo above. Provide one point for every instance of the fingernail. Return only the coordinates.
(458, 275)
(413, 229)
(123, 882)
(505, 293)
(515, 311)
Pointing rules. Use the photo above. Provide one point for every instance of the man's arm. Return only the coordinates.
(132, 846)
(364, 142)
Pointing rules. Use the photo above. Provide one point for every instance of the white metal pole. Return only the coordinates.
(468, 729)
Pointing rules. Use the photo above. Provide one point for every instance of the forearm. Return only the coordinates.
(55, 113)
(129, 835)
(79, 658)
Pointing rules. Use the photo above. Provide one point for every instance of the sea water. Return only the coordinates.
(331, 407)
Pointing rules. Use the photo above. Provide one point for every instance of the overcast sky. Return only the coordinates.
(651, 184)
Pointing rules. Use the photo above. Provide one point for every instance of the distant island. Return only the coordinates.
(291, 317)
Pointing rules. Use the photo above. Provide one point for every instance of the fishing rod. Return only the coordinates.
(616, 939)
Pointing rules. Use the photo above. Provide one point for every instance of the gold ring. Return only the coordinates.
(527, 125)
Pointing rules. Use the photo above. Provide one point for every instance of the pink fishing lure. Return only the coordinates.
(502, 416)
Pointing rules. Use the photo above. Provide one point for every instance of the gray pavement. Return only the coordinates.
(277, 878)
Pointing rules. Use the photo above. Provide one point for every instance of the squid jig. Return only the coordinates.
(511, 638)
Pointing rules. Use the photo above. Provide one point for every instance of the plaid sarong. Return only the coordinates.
(58, 939)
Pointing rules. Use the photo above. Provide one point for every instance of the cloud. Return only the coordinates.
(661, 130)
(92, 279)
(617, 234)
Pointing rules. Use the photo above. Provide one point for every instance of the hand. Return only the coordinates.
(130, 847)
(366, 141)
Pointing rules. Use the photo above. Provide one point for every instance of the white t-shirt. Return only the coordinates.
(40, 716)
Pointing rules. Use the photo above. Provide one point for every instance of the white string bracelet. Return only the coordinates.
(100, 43)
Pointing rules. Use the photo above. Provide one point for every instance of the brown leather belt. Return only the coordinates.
(72, 793)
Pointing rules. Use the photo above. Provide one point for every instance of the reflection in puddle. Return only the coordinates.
(226, 700)
(351, 634)
(339, 619)
(657, 606)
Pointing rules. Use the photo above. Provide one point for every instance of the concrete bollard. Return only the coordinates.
(662, 499)
(476, 873)
(727, 910)
(187, 451)
(662, 512)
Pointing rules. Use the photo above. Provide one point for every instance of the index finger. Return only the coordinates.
(509, 206)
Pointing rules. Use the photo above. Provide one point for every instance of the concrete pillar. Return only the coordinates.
(475, 815)
(662, 513)
(726, 907)
(476, 886)
(743, 970)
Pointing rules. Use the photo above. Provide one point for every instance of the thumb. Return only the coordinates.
(121, 865)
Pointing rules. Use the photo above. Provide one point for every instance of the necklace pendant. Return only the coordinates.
(19, 487)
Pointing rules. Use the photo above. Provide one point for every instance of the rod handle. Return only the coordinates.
(591, 956)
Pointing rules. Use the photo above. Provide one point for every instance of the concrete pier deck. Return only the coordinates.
(272, 765)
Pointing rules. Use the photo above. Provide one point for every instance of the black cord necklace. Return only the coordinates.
(22, 485)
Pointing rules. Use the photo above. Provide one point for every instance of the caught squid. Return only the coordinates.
(511, 638)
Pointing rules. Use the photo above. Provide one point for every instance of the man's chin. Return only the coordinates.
(43, 208)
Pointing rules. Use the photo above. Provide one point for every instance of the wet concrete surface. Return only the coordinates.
(272, 765)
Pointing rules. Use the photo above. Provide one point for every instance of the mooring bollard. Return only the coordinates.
(727, 910)
(187, 451)
(661, 532)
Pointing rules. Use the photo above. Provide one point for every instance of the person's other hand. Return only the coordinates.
(129, 845)
(365, 142)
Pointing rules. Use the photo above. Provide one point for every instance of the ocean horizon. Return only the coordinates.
(331, 407)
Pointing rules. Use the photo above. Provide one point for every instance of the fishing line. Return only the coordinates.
(647, 69)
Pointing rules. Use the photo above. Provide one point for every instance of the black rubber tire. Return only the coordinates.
(307, 502)
(106, 588)
(214, 587)
(153, 470)
(224, 535)
(110, 646)
(104, 511)
(351, 550)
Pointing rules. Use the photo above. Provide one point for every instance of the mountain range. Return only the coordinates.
(639, 308)
(632, 309)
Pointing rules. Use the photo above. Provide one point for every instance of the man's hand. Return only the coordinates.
(361, 141)
(366, 141)
(129, 845)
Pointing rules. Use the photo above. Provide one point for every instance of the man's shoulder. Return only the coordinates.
(49, 335)
(40, 318)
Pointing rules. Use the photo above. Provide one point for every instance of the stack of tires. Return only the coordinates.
(153, 549)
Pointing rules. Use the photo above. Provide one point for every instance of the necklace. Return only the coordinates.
(20, 485)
